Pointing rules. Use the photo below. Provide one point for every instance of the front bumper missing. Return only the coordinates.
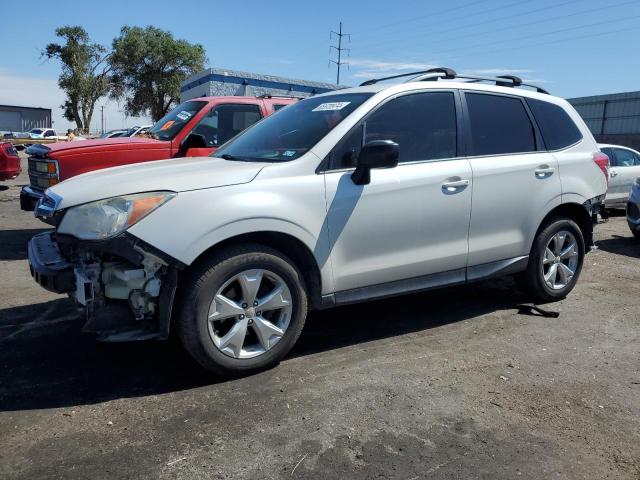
(111, 282)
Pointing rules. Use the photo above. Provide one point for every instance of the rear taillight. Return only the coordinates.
(603, 163)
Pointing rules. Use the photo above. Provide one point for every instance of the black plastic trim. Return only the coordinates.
(48, 267)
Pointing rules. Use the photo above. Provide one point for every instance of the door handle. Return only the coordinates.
(455, 186)
(544, 171)
(613, 173)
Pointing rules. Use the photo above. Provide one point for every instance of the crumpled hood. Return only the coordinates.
(176, 175)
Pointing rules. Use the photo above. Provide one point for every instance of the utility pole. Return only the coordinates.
(102, 119)
(339, 49)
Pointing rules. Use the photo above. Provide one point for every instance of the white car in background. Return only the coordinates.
(133, 131)
(45, 133)
(624, 168)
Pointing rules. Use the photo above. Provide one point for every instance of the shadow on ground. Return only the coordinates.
(13, 243)
(46, 362)
(628, 246)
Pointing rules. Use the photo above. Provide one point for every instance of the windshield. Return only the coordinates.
(169, 125)
(292, 131)
(37, 131)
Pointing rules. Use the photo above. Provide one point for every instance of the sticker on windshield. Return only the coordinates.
(183, 115)
(331, 106)
(167, 125)
(288, 153)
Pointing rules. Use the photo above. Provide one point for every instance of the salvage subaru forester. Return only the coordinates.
(364, 193)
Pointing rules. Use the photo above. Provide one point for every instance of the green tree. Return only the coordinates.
(148, 66)
(85, 73)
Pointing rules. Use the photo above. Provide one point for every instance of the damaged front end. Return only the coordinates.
(124, 287)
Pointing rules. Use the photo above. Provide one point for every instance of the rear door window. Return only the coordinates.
(557, 128)
(499, 125)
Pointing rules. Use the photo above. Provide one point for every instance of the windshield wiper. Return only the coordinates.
(228, 156)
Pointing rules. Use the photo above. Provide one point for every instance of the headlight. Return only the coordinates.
(111, 216)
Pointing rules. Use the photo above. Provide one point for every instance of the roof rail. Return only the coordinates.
(432, 72)
(442, 73)
(269, 95)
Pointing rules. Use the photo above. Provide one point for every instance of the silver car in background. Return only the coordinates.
(624, 164)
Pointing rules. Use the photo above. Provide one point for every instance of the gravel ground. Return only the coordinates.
(447, 384)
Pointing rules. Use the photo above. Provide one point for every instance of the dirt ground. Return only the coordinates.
(447, 384)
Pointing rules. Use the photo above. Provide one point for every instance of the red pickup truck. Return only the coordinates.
(9, 162)
(194, 128)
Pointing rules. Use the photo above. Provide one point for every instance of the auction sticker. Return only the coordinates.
(325, 107)
(183, 115)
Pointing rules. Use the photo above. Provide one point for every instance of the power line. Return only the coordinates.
(473, 24)
(301, 53)
(525, 37)
(419, 17)
(511, 48)
(339, 49)
(530, 23)
(540, 34)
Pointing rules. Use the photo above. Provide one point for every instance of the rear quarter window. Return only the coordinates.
(557, 128)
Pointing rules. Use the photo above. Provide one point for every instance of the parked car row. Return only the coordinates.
(343, 197)
(127, 132)
(194, 128)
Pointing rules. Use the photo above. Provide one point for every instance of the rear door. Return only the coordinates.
(515, 181)
(625, 168)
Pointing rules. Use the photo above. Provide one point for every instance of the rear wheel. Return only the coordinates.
(555, 261)
(243, 310)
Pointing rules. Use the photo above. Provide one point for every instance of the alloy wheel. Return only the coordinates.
(250, 313)
(560, 260)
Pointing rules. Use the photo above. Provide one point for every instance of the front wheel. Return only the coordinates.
(243, 309)
(555, 261)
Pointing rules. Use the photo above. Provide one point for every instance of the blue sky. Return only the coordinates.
(570, 47)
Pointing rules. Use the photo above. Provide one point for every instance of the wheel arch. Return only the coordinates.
(576, 212)
(288, 245)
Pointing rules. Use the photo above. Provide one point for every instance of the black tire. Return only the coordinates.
(198, 291)
(636, 233)
(532, 280)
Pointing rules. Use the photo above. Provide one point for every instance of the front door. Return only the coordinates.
(221, 124)
(411, 221)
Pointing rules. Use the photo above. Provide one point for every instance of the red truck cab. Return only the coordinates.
(9, 162)
(194, 128)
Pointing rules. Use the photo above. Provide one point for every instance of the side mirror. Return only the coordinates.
(376, 154)
(194, 140)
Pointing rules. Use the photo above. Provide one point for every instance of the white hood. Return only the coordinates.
(176, 175)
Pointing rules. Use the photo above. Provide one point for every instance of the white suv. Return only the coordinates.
(352, 195)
